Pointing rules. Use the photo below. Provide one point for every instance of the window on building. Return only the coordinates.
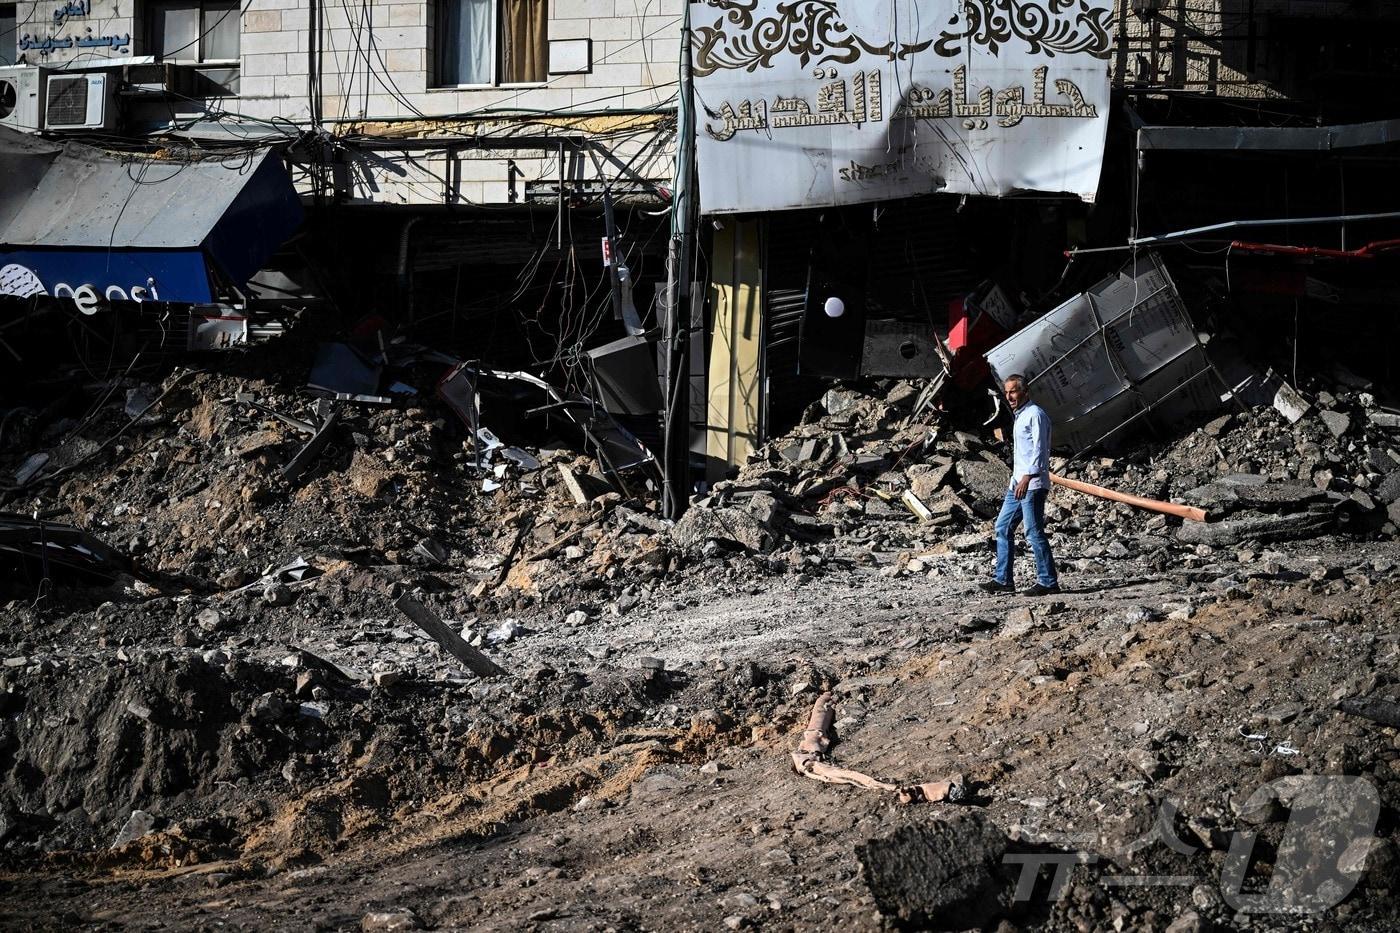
(491, 42)
(193, 30)
(8, 40)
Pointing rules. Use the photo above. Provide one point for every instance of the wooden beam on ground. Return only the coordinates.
(1152, 505)
(423, 617)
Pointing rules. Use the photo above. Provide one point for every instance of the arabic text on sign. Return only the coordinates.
(46, 44)
(1008, 105)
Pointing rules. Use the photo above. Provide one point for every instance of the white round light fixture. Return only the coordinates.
(834, 307)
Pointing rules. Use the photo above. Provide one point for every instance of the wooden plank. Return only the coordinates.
(423, 617)
(1152, 505)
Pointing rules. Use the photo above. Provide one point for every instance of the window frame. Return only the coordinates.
(152, 42)
(438, 11)
(9, 55)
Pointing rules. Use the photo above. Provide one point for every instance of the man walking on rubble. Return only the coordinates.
(1025, 495)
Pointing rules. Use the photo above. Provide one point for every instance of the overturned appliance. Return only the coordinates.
(1113, 355)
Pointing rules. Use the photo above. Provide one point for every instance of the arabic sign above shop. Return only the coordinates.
(806, 103)
(65, 32)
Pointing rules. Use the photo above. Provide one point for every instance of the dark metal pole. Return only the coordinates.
(610, 227)
(676, 455)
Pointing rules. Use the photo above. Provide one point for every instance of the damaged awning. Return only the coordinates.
(136, 227)
(1268, 138)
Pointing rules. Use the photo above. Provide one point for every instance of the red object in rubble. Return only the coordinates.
(971, 333)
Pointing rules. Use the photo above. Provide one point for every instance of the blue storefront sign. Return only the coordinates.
(88, 275)
(73, 226)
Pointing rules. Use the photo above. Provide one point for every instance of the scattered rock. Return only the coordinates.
(730, 526)
(138, 824)
(386, 921)
(1336, 422)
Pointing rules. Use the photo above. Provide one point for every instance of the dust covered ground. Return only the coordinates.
(197, 746)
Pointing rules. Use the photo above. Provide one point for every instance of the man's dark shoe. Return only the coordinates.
(1036, 589)
(994, 586)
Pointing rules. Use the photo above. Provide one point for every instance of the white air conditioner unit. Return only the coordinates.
(84, 101)
(21, 88)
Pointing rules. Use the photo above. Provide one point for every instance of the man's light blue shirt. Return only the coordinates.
(1030, 446)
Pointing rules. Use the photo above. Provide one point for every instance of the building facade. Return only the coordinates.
(598, 74)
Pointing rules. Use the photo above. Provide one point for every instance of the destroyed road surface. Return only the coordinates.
(279, 716)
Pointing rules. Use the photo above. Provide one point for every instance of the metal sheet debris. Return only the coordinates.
(624, 376)
(299, 464)
(899, 349)
(42, 550)
(217, 332)
(1111, 355)
(297, 570)
(341, 370)
(616, 447)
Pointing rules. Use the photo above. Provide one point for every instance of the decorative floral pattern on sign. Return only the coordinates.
(810, 29)
(1047, 27)
(814, 31)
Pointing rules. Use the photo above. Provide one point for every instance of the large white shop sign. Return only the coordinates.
(804, 103)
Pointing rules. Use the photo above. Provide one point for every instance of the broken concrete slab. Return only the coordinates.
(583, 487)
(1257, 528)
(1243, 479)
(733, 526)
(1336, 422)
(925, 479)
(986, 479)
(642, 521)
(1216, 426)
(944, 874)
(138, 824)
(1290, 404)
(1272, 497)
(1275, 496)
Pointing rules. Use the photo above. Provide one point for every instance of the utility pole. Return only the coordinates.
(676, 334)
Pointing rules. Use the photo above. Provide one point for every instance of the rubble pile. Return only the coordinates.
(847, 470)
(192, 484)
(428, 628)
(865, 472)
(189, 478)
(1260, 477)
(187, 755)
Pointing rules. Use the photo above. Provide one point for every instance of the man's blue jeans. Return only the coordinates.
(1031, 510)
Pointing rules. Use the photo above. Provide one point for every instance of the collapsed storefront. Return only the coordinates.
(891, 203)
(942, 157)
(122, 252)
(861, 187)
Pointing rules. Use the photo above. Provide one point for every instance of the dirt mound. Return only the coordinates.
(84, 746)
